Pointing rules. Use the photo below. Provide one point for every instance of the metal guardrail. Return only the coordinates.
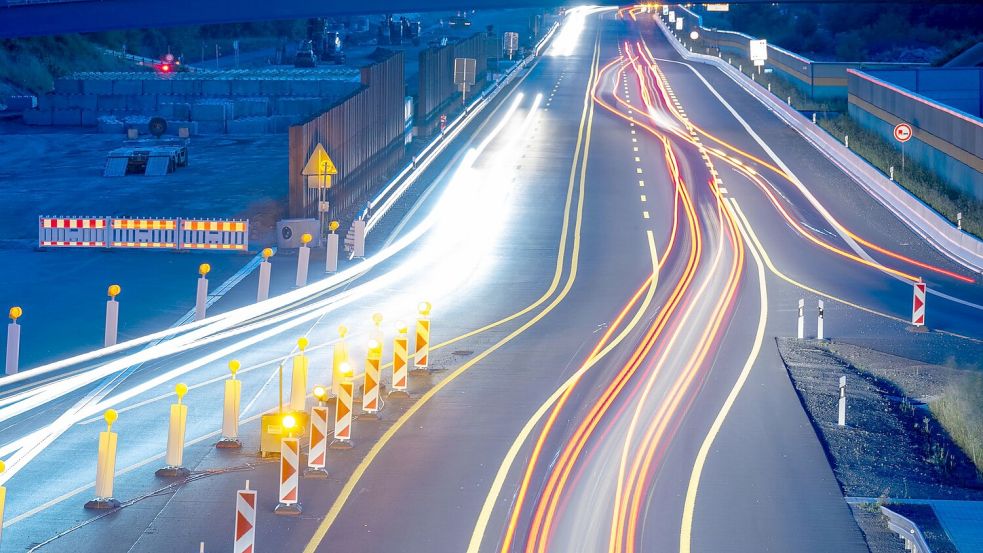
(914, 541)
(959, 246)
(377, 208)
(142, 60)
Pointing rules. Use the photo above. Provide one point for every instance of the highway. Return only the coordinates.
(610, 253)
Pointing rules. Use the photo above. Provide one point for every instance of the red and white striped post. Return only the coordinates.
(13, 340)
(422, 350)
(918, 305)
(400, 374)
(230, 410)
(371, 403)
(244, 538)
(318, 451)
(289, 467)
(343, 409)
(112, 316)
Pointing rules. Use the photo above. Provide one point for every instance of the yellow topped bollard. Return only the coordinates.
(106, 466)
(331, 254)
(339, 356)
(175, 437)
(230, 411)
(263, 289)
(201, 298)
(400, 382)
(13, 340)
(423, 336)
(303, 259)
(343, 409)
(298, 379)
(112, 316)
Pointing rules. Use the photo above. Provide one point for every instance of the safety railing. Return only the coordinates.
(914, 541)
(143, 233)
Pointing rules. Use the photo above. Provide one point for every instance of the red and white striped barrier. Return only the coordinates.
(318, 451)
(72, 232)
(400, 374)
(918, 305)
(423, 337)
(289, 482)
(371, 404)
(343, 409)
(244, 538)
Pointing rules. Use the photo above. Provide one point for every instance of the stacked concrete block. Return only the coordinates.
(108, 103)
(250, 87)
(249, 125)
(141, 104)
(66, 117)
(127, 87)
(97, 86)
(38, 117)
(274, 88)
(252, 107)
(176, 111)
(158, 86)
(68, 86)
(88, 118)
(186, 87)
(110, 125)
(298, 107)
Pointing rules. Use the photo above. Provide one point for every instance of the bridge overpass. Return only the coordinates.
(20, 18)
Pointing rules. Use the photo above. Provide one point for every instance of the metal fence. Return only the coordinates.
(437, 73)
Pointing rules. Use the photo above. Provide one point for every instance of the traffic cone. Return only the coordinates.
(201, 297)
(13, 340)
(244, 537)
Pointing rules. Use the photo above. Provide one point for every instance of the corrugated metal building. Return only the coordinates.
(437, 88)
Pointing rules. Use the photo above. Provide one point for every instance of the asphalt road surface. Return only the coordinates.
(610, 255)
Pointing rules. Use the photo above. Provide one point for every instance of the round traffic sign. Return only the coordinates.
(902, 132)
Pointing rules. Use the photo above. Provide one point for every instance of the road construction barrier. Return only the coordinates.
(201, 296)
(289, 467)
(338, 359)
(208, 234)
(371, 404)
(144, 233)
(399, 381)
(318, 450)
(13, 340)
(244, 538)
(230, 411)
(343, 409)
(918, 305)
(72, 232)
(112, 316)
(423, 336)
(263, 291)
(106, 466)
(298, 378)
(303, 259)
(177, 424)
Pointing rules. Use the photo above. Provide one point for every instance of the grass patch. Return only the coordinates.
(960, 411)
(33, 64)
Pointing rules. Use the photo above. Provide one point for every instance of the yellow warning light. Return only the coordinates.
(320, 393)
(110, 416)
(306, 238)
(289, 422)
(114, 290)
(377, 318)
(424, 308)
(15, 312)
(345, 369)
(3, 466)
(342, 331)
(302, 343)
(267, 253)
(234, 366)
(402, 328)
(374, 345)
(180, 389)
(333, 225)
(204, 268)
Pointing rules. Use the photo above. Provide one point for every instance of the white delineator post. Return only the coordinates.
(359, 230)
(318, 450)
(819, 321)
(331, 253)
(343, 409)
(801, 325)
(244, 537)
(201, 299)
(174, 460)
(298, 379)
(263, 290)
(230, 410)
(112, 316)
(106, 466)
(303, 259)
(400, 345)
(841, 420)
(289, 468)
(918, 305)
(13, 340)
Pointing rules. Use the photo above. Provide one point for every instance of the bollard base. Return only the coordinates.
(229, 443)
(917, 328)
(102, 503)
(172, 472)
(288, 509)
(316, 474)
(369, 416)
(341, 444)
(420, 371)
(399, 394)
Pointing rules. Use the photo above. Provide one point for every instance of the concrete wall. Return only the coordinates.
(959, 88)
(946, 140)
(364, 128)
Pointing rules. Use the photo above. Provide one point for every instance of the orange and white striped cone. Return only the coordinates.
(423, 337)
(244, 538)
(343, 410)
(175, 438)
(400, 382)
(371, 403)
(339, 358)
(106, 466)
(298, 379)
(230, 410)
(289, 467)
(318, 451)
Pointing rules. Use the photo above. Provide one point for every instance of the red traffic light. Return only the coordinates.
(165, 68)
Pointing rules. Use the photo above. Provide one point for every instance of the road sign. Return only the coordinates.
(672, 17)
(511, 43)
(319, 169)
(718, 7)
(902, 132)
(918, 305)
(759, 50)
(679, 23)
(665, 10)
(464, 70)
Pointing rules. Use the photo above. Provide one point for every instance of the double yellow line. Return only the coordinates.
(579, 159)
